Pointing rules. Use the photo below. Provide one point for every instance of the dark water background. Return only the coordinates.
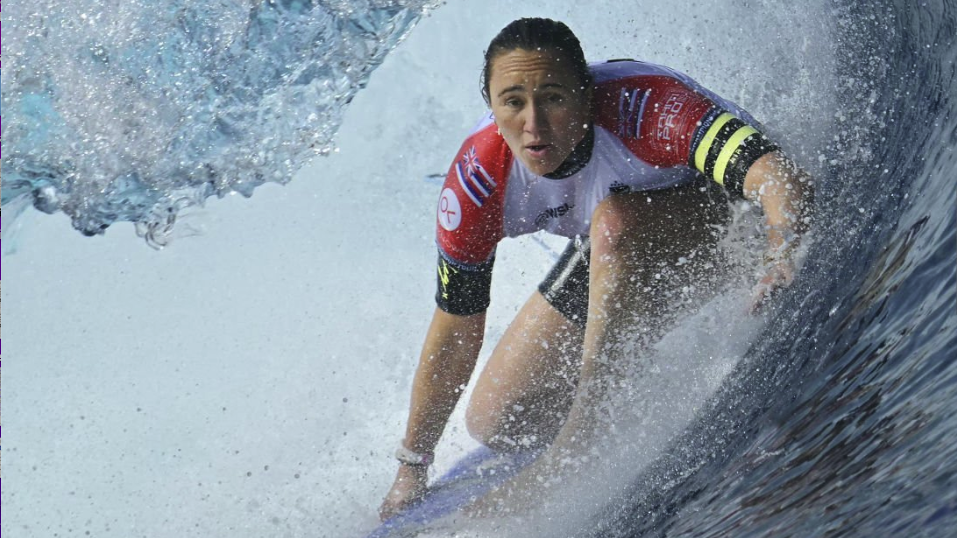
(841, 422)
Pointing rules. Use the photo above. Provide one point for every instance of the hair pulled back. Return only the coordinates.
(536, 34)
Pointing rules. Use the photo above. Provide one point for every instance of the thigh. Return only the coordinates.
(528, 383)
(665, 223)
(657, 252)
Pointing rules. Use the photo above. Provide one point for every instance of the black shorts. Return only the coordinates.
(566, 285)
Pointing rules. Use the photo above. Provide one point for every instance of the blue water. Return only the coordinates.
(132, 111)
(838, 420)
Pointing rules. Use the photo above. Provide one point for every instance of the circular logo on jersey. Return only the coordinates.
(450, 212)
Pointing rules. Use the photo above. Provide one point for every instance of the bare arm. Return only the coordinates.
(448, 358)
(445, 366)
(785, 193)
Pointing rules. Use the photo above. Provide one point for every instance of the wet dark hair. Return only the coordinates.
(536, 34)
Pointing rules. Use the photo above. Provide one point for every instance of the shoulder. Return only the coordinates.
(481, 164)
(654, 110)
(469, 213)
(667, 119)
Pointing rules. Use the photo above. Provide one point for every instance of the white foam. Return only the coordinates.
(147, 393)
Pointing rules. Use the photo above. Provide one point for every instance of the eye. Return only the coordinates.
(512, 102)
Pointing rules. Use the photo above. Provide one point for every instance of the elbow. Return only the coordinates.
(774, 179)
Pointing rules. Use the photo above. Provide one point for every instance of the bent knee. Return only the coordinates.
(481, 424)
(656, 222)
(503, 431)
(614, 225)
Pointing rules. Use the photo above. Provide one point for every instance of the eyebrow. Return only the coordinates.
(517, 87)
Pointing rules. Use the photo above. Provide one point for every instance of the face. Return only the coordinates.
(539, 106)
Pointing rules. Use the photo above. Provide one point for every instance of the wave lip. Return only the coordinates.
(132, 110)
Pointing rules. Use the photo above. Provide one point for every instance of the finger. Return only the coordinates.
(763, 291)
(757, 301)
(391, 506)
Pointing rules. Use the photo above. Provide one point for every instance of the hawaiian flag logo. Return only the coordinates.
(475, 180)
(631, 104)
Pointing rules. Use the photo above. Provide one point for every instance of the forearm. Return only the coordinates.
(448, 358)
(785, 193)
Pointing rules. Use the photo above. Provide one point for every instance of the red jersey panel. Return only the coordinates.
(655, 116)
(470, 207)
(654, 128)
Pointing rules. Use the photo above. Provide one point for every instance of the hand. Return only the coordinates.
(409, 487)
(779, 273)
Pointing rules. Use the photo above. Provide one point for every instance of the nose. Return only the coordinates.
(536, 119)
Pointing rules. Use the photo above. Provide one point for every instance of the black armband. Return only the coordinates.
(725, 147)
(566, 285)
(463, 290)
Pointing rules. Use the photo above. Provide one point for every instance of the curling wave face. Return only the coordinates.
(132, 110)
(839, 420)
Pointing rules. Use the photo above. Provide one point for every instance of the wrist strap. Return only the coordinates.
(413, 458)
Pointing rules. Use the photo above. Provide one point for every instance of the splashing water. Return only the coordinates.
(133, 110)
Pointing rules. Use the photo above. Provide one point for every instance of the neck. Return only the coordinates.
(578, 158)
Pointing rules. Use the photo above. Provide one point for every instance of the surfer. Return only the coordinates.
(634, 163)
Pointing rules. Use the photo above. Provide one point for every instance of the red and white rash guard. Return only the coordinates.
(654, 128)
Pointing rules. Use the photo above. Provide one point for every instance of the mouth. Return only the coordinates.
(538, 150)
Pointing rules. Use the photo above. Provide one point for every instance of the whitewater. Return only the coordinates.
(252, 376)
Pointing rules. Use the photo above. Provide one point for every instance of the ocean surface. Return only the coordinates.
(207, 364)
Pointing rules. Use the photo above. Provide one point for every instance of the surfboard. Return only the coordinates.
(469, 478)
